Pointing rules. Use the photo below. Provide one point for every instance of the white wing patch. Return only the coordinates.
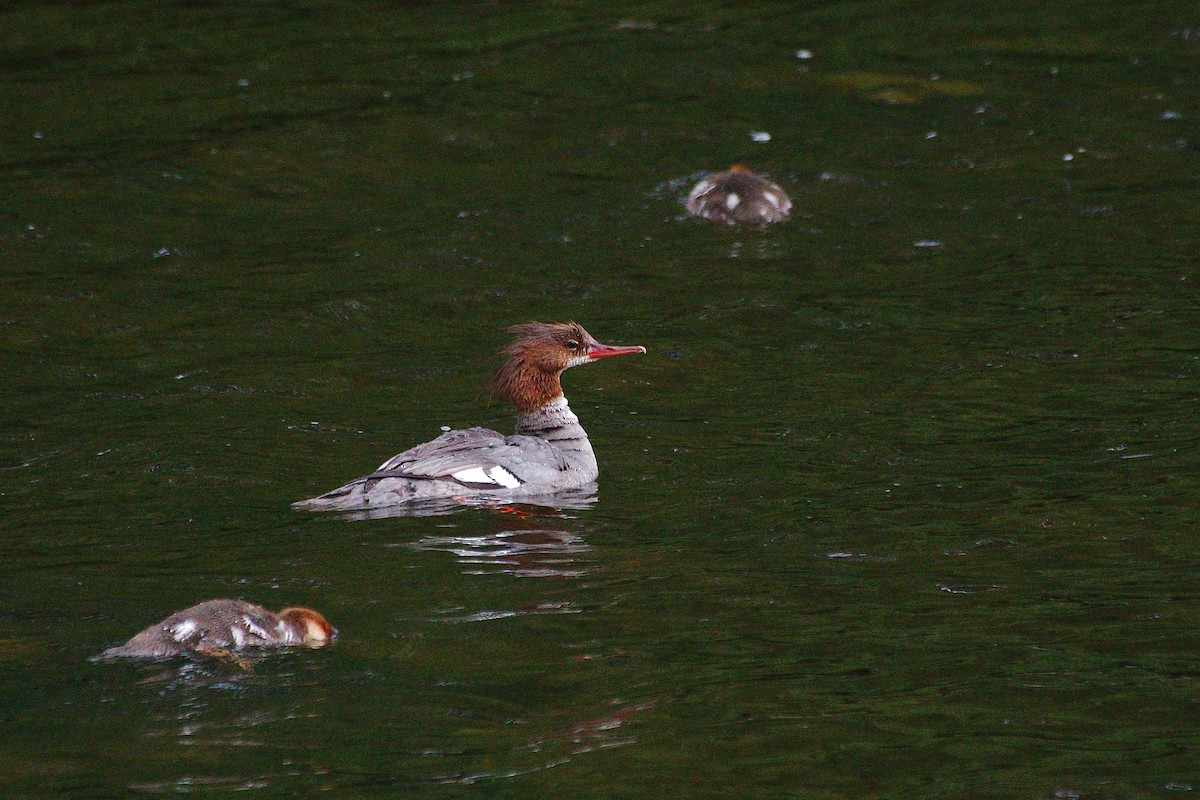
(497, 476)
(772, 198)
(183, 630)
(239, 638)
(472, 475)
(503, 477)
(255, 628)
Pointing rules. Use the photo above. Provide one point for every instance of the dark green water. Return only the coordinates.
(901, 503)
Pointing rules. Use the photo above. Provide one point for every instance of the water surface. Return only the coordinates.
(901, 502)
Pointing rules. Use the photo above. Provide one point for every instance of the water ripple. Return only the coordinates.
(489, 615)
(535, 553)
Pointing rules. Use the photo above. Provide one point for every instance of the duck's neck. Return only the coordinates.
(554, 421)
(526, 386)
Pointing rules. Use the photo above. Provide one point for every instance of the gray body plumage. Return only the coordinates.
(549, 452)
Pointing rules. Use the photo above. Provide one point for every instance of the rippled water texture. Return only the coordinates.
(900, 503)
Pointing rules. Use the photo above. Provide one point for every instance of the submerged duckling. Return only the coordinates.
(737, 195)
(225, 627)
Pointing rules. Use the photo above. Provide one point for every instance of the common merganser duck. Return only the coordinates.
(549, 453)
(224, 627)
(738, 195)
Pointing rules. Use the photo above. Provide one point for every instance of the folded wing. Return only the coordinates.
(478, 458)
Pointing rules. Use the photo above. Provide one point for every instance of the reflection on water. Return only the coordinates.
(197, 783)
(578, 499)
(601, 728)
(538, 553)
(596, 733)
(453, 615)
(951, 588)
(216, 726)
(860, 556)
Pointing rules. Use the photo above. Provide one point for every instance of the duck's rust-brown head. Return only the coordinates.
(308, 627)
(537, 356)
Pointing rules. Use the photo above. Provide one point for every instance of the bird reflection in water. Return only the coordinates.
(566, 500)
(534, 553)
(526, 541)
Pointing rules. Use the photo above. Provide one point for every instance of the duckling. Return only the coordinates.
(224, 627)
(738, 195)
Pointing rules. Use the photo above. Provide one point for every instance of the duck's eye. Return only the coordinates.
(571, 343)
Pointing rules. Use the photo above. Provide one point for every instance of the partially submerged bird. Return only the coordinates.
(549, 453)
(225, 628)
(738, 195)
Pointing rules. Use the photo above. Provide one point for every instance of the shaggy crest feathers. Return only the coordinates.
(536, 357)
